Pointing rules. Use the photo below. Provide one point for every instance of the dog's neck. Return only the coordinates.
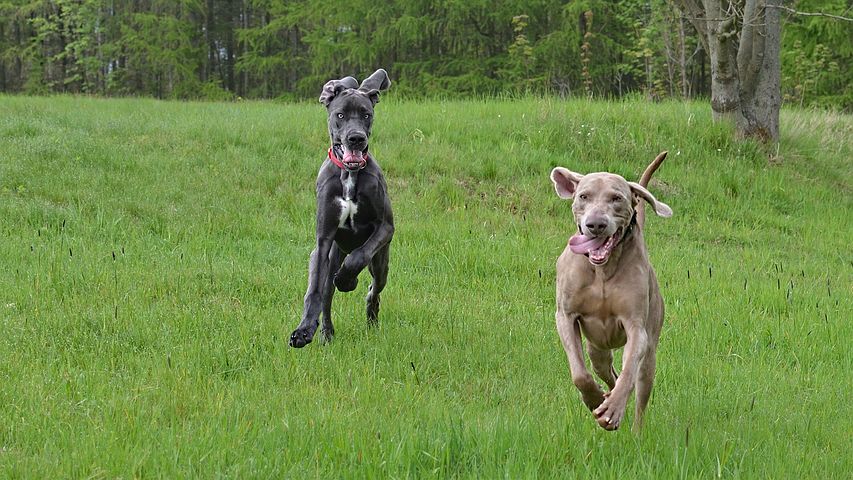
(631, 228)
(349, 181)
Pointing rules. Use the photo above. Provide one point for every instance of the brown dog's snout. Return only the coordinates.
(595, 224)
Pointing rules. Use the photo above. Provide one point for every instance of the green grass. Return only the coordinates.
(153, 262)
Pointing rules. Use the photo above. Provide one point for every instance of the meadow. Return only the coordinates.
(153, 263)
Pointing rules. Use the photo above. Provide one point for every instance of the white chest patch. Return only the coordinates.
(348, 211)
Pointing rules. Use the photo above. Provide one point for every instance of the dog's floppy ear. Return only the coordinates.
(333, 87)
(374, 84)
(565, 182)
(661, 208)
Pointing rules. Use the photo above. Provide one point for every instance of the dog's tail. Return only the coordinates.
(644, 181)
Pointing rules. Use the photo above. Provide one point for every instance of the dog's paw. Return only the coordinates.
(372, 315)
(592, 398)
(345, 283)
(327, 336)
(609, 414)
(591, 393)
(301, 337)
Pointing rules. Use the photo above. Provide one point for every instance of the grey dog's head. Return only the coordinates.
(350, 107)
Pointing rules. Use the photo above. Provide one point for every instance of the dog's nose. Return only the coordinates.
(596, 226)
(356, 138)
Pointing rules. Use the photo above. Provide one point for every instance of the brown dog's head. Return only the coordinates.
(603, 206)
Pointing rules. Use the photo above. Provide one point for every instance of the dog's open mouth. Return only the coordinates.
(598, 249)
(354, 159)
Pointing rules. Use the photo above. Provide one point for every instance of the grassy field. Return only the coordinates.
(153, 262)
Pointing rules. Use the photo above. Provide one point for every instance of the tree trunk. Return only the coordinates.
(209, 39)
(745, 71)
(682, 60)
(231, 47)
(668, 49)
(2, 64)
(244, 75)
(760, 71)
(722, 48)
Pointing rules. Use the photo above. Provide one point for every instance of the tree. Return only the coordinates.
(221, 49)
(743, 39)
(815, 47)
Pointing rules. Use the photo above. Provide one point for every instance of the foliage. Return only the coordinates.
(816, 55)
(518, 71)
(287, 49)
(807, 72)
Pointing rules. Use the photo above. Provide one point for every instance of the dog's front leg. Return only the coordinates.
(347, 278)
(328, 213)
(609, 414)
(570, 334)
(318, 272)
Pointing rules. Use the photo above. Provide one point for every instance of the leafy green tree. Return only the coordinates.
(220, 49)
(815, 51)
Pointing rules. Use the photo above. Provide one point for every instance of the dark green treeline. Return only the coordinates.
(219, 49)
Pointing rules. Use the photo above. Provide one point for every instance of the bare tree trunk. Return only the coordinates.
(231, 46)
(682, 59)
(2, 65)
(212, 54)
(244, 76)
(17, 71)
(265, 76)
(670, 59)
(745, 72)
(722, 48)
(760, 71)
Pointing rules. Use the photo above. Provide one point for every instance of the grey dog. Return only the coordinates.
(354, 220)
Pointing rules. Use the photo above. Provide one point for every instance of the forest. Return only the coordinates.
(286, 49)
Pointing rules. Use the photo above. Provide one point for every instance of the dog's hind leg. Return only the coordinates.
(645, 380)
(602, 363)
(336, 256)
(379, 271)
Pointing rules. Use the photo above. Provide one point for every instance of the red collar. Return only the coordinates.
(334, 158)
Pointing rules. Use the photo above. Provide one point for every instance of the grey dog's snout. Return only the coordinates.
(596, 225)
(356, 138)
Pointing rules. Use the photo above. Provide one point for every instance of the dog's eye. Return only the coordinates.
(367, 116)
(583, 196)
(340, 115)
(615, 198)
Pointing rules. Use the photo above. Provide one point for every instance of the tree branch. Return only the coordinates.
(807, 14)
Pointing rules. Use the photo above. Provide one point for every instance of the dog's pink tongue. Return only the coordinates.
(582, 244)
(352, 156)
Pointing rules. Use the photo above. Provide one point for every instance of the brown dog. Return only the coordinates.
(607, 289)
